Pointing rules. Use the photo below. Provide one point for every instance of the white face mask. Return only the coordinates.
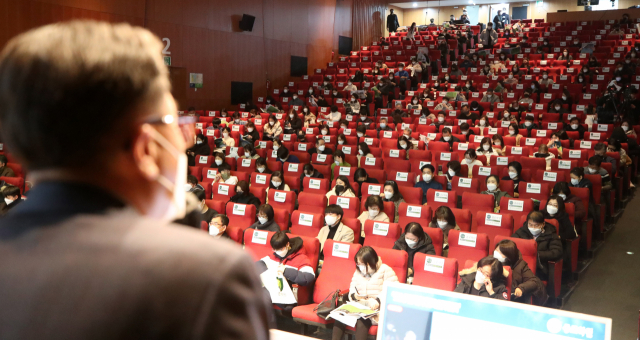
(360, 134)
(291, 116)
(545, 76)
(213, 231)
(447, 78)
(250, 129)
(506, 115)
(483, 122)
(276, 184)
(363, 118)
(441, 119)
(535, 232)
(498, 256)
(415, 102)
(513, 174)
(272, 123)
(480, 277)
(325, 132)
(511, 76)
(330, 220)
(362, 268)
(177, 205)
(261, 170)
(442, 224)
(305, 110)
(468, 160)
(8, 201)
(512, 132)
(224, 134)
(383, 125)
(282, 253)
(527, 124)
(262, 220)
(574, 126)
(451, 173)
(533, 86)
(360, 152)
(340, 142)
(403, 145)
(486, 147)
(388, 194)
(447, 138)
(575, 181)
(564, 197)
(412, 244)
(373, 213)
(625, 128)
(552, 210)
(492, 186)
(247, 154)
(200, 142)
(321, 148)
(427, 177)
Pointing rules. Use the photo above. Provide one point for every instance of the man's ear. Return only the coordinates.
(145, 153)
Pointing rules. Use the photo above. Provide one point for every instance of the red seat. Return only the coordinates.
(381, 234)
(259, 193)
(461, 185)
(15, 181)
(337, 271)
(533, 164)
(246, 165)
(223, 192)
(516, 207)
(306, 224)
(414, 213)
(549, 177)
(402, 179)
(316, 185)
(465, 246)
(477, 203)
(435, 272)
(260, 180)
(368, 189)
(437, 238)
(280, 199)
(312, 202)
(355, 225)
(411, 195)
(463, 218)
(494, 224)
(396, 259)
(537, 191)
(241, 216)
(436, 198)
(350, 205)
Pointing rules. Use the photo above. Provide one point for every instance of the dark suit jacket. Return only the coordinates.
(79, 264)
(6, 171)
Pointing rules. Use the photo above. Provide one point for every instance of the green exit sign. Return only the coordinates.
(167, 61)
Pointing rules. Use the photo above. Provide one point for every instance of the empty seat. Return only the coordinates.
(241, 216)
(435, 272)
(465, 246)
(381, 234)
(306, 224)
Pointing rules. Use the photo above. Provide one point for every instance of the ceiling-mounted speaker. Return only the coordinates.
(246, 24)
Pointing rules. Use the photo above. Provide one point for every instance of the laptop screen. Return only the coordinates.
(419, 313)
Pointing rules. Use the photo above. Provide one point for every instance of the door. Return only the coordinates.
(179, 83)
(473, 14)
(519, 13)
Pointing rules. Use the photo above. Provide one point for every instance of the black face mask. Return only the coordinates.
(339, 189)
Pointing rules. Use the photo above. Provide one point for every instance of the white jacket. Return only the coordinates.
(371, 285)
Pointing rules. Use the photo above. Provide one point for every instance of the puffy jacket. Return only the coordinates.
(549, 244)
(425, 246)
(566, 229)
(371, 285)
(522, 277)
(245, 198)
(268, 226)
(298, 267)
(468, 277)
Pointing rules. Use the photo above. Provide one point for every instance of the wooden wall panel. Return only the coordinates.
(205, 37)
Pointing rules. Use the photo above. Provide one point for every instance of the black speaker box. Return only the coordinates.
(246, 24)
(241, 92)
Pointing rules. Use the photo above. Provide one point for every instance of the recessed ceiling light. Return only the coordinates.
(415, 4)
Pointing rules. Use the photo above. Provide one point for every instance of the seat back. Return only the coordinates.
(350, 205)
(516, 207)
(437, 237)
(463, 218)
(477, 202)
(528, 249)
(312, 202)
(398, 260)
(337, 269)
(381, 234)
(306, 224)
(260, 180)
(223, 192)
(410, 194)
(414, 213)
(461, 185)
(435, 272)
(355, 225)
(316, 185)
(465, 246)
(436, 198)
(280, 199)
(241, 216)
(537, 191)
(494, 224)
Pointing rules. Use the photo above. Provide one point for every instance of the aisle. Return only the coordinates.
(611, 285)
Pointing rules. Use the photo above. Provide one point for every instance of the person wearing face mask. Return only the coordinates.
(391, 193)
(414, 104)
(366, 286)
(249, 153)
(364, 120)
(528, 125)
(487, 278)
(309, 171)
(251, 135)
(490, 97)
(219, 159)
(547, 240)
(309, 116)
(363, 152)
(320, 148)
(12, 198)
(414, 240)
(334, 116)
(276, 183)
(595, 168)
(562, 190)
(218, 226)
(320, 102)
(192, 184)
(487, 71)
(514, 131)
(426, 181)
(575, 125)
(444, 105)
(261, 166)
(565, 56)
(373, 210)
(465, 113)
(600, 149)
(489, 36)
(272, 105)
(201, 148)
(555, 210)
(486, 149)
(471, 160)
(207, 213)
(383, 125)
(352, 107)
(226, 140)
(525, 285)
(403, 75)
(465, 129)
(515, 169)
(543, 152)
(404, 144)
(498, 145)
(326, 84)
(350, 87)
(293, 123)
(272, 130)
(493, 188)
(511, 79)
(342, 188)
(333, 228)
(448, 137)
(444, 219)
(453, 170)
(129, 135)
(265, 221)
(224, 175)
(290, 261)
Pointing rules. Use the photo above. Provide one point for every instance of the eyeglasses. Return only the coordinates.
(186, 124)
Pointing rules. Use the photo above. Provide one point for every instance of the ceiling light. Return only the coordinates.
(415, 4)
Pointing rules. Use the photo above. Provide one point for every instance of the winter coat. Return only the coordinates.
(381, 217)
(425, 246)
(298, 267)
(549, 244)
(246, 198)
(343, 234)
(268, 226)
(497, 195)
(566, 231)
(468, 277)
(370, 285)
(274, 130)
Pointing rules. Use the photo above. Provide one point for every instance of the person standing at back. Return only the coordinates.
(392, 22)
(92, 253)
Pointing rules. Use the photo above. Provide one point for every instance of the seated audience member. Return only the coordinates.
(265, 220)
(414, 240)
(471, 159)
(595, 168)
(363, 152)
(192, 184)
(12, 197)
(218, 226)
(309, 171)
(361, 176)
(201, 148)
(226, 139)
(528, 125)
(391, 193)
(555, 210)
(574, 125)
(486, 149)
(277, 183)
(514, 131)
(261, 166)
(493, 188)
(486, 279)
(515, 170)
(600, 149)
(207, 213)
(427, 182)
(320, 148)
(291, 261)
(444, 219)
(498, 145)
(448, 137)
(563, 190)
(549, 243)
(250, 152)
(272, 130)
(342, 188)
(224, 175)
(6, 171)
(285, 157)
(366, 286)
(338, 160)
(251, 135)
(453, 170)
(543, 152)
(244, 196)
(334, 229)
(374, 210)
(524, 283)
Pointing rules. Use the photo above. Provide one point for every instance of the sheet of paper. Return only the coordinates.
(278, 288)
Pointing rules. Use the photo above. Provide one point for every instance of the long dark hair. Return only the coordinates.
(446, 213)
(368, 256)
(510, 250)
(347, 184)
(415, 229)
(396, 192)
